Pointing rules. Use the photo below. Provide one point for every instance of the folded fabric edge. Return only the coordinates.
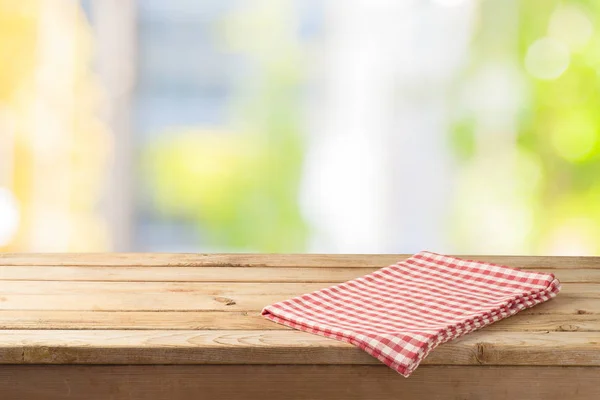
(452, 331)
(512, 307)
(430, 256)
(523, 300)
(336, 334)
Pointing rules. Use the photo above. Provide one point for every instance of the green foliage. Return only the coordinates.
(240, 190)
(559, 121)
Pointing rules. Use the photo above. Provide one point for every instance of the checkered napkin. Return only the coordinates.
(400, 313)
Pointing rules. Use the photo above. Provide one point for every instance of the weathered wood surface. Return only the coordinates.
(282, 347)
(198, 309)
(182, 296)
(173, 326)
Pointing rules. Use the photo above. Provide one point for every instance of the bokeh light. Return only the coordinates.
(575, 136)
(571, 25)
(547, 58)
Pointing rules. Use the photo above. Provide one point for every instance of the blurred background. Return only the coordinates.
(357, 126)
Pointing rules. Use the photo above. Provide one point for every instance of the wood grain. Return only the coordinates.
(204, 274)
(276, 260)
(566, 305)
(244, 320)
(165, 296)
(51, 288)
(222, 274)
(548, 322)
(281, 347)
(176, 325)
(141, 320)
(139, 296)
(158, 382)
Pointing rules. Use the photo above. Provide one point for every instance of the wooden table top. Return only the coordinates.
(204, 309)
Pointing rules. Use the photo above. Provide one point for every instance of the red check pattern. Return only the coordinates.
(400, 313)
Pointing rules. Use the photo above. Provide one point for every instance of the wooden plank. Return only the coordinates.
(566, 304)
(194, 274)
(47, 288)
(222, 274)
(141, 296)
(293, 382)
(205, 260)
(250, 320)
(140, 320)
(138, 302)
(174, 347)
(281, 347)
(276, 260)
(548, 322)
(576, 275)
(590, 290)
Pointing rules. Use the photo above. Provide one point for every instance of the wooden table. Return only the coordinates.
(187, 326)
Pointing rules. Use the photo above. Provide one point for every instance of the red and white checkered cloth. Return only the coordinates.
(400, 313)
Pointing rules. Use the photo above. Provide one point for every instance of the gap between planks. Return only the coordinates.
(222, 274)
(275, 260)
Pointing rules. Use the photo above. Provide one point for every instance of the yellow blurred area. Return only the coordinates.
(575, 135)
(54, 148)
(18, 37)
(212, 163)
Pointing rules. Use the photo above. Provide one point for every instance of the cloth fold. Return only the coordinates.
(400, 313)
